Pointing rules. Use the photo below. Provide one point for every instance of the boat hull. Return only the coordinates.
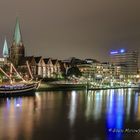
(29, 93)
(27, 89)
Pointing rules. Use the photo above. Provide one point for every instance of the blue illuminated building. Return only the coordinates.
(128, 60)
(117, 51)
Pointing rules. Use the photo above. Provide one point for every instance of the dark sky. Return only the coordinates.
(66, 28)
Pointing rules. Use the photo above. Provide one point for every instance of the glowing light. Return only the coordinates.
(117, 51)
(17, 105)
(18, 102)
(122, 50)
(114, 52)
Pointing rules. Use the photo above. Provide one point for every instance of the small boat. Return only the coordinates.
(13, 88)
(18, 89)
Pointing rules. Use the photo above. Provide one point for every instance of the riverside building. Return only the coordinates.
(127, 60)
(40, 67)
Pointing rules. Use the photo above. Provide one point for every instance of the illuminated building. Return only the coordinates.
(42, 67)
(128, 60)
(39, 66)
(2, 61)
(17, 50)
(99, 70)
(52, 68)
(5, 54)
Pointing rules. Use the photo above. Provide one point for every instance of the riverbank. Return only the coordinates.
(56, 86)
(47, 86)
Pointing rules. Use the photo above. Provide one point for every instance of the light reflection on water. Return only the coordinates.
(94, 105)
(12, 114)
(73, 107)
(71, 115)
(114, 114)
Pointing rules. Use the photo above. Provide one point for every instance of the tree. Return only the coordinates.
(74, 71)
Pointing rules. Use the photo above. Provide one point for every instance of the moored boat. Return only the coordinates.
(13, 88)
(18, 89)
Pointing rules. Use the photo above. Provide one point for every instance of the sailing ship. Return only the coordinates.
(23, 87)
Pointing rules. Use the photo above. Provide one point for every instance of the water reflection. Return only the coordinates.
(94, 105)
(128, 105)
(71, 115)
(73, 107)
(115, 115)
(138, 112)
(120, 106)
(13, 118)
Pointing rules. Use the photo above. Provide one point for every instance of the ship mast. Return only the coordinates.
(29, 70)
(12, 66)
(5, 73)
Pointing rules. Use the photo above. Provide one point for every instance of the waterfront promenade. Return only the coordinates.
(68, 85)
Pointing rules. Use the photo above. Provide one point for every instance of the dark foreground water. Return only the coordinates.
(72, 115)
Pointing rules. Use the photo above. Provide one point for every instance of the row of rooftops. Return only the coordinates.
(38, 59)
(72, 61)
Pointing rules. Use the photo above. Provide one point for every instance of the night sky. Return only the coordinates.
(67, 28)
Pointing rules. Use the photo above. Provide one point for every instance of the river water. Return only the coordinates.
(72, 115)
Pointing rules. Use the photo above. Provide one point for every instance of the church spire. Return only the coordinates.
(17, 33)
(17, 50)
(5, 49)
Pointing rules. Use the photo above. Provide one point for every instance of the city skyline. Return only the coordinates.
(66, 29)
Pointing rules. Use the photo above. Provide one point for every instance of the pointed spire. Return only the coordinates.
(17, 33)
(5, 49)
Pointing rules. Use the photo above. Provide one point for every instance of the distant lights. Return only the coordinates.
(122, 50)
(114, 52)
(118, 51)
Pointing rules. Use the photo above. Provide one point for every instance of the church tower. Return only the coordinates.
(5, 51)
(17, 50)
